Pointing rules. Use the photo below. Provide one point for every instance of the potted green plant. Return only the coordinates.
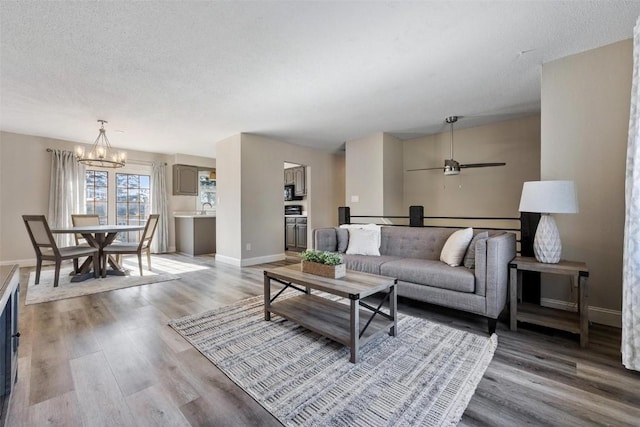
(325, 264)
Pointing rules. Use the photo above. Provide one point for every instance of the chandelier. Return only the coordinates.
(101, 154)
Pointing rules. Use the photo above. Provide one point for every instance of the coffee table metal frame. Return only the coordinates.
(332, 319)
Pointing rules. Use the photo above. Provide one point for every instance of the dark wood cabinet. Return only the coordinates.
(299, 180)
(301, 235)
(288, 176)
(195, 235)
(297, 177)
(295, 234)
(185, 180)
(9, 335)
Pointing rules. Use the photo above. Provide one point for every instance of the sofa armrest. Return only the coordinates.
(325, 239)
(500, 251)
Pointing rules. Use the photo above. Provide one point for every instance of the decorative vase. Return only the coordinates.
(330, 271)
(546, 244)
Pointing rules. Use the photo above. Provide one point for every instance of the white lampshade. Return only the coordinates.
(549, 197)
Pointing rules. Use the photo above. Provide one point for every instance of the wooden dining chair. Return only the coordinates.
(144, 245)
(46, 249)
(80, 220)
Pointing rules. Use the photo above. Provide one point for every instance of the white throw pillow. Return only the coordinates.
(375, 227)
(363, 241)
(456, 246)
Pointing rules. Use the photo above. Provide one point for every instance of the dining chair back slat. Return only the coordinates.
(149, 231)
(80, 220)
(39, 232)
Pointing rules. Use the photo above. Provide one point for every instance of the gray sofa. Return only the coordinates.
(412, 255)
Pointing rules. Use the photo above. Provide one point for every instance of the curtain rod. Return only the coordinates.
(146, 162)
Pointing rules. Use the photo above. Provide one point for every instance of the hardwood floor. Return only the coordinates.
(110, 359)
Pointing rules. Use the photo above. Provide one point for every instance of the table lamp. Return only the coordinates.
(547, 197)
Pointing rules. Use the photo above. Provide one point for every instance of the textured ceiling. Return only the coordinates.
(179, 76)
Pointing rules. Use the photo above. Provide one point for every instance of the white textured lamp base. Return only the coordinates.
(546, 244)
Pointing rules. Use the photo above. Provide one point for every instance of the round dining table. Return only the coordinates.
(98, 236)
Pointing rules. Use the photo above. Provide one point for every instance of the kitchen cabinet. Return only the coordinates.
(297, 177)
(299, 180)
(295, 233)
(288, 176)
(185, 180)
(195, 234)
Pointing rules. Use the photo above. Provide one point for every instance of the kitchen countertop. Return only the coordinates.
(194, 214)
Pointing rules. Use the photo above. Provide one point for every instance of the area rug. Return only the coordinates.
(45, 292)
(424, 376)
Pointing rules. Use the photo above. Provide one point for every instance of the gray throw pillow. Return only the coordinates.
(470, 257)
(343, 239)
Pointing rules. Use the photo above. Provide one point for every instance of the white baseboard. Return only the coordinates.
(249, 261)
(262, 259)
(228, 260)
(604, 316)
(21, 262)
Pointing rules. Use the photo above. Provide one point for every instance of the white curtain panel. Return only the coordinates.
(66, 193)
(631, 257)
(159, 205)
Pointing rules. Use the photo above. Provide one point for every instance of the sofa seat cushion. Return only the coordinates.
(430, 273)
(367, 264)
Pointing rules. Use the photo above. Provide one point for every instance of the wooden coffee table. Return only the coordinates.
(337, 321)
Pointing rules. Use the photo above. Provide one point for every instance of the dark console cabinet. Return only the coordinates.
(9, 335)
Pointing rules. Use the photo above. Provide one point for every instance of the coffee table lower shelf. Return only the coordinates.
(329, 318)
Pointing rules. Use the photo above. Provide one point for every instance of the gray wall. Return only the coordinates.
(374, 176)
(364, 175)
(585, 120)
(229, 203)
(493, 191)
(256, 164)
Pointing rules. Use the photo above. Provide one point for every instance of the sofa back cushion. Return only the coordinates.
(414, 242)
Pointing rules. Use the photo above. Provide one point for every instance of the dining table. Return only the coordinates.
(99, 237)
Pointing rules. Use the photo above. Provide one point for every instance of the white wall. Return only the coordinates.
(492, 191)
(261, 215)
(25, 167)
(585, 120)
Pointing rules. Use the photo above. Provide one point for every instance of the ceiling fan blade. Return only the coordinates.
(426, 169)
(482, 165)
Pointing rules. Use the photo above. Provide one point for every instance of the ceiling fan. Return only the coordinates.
(452, 167)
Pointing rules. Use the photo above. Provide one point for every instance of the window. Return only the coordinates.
(133, 202)
(97, 190)
(122, 198)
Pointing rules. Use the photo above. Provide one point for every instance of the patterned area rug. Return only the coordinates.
(45, 292)
(424, 376)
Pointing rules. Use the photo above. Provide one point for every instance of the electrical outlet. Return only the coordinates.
(355, 199)
(248, 246)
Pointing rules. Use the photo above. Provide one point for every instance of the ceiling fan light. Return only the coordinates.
(448, 171)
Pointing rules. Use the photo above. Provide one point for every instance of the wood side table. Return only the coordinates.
(577, 323)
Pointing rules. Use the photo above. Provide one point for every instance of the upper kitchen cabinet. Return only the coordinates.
(288, 176)
(185, 180)
(299, 181)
